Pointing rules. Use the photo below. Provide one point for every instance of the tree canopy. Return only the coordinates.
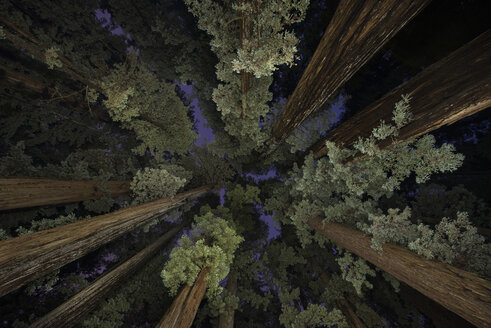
(123, 121)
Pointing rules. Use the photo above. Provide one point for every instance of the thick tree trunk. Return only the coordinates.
(29, 257)
(461, 292)
(356, 32)
(226, 320)
(455, 87)
(342, 304)
(183, 310)
(29, 192)
(441, 317)
(69, 313)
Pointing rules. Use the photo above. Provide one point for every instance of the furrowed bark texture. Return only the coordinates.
(356, 32)
(183, 310)
(69, 313)
(342, 304)
(461, 292)
(441, 317)
(29, 257)
(455, 87)
(29, 192)
(226, 319)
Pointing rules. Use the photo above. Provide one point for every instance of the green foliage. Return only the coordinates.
(212, 244)
(313, 316)
(151, 184)
(355, 271)
(52, 59)
(267, 47)
(270, 45)
(454, 242)
(149, 107)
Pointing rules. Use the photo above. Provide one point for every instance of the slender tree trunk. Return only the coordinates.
(455, 87)
(441, 317)
(342, 304)
(29, 257)
(29, 192)
(245, 32)
(24, 81)
(459, 291)
(183, 310)
(69, 313)
(226, 319)
(356, 32)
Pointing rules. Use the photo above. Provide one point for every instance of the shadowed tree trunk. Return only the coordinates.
(455, 87)
(29, 192)
(69, 313)
(356, 32)
(441, 317)
(20, 80)
(460, 291)
(31, 256)
(245, 33)
(226, 319)
(342, 304)
(183, 310)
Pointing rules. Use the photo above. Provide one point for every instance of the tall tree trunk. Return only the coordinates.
(441, 317)
(29, 257)
(455, 87)
(69, 313)
(342, 304)
(226, 320)
(183, 310)
(356, 32)
(20, 80)
(245, 33)
(459, 291)
(29, 192)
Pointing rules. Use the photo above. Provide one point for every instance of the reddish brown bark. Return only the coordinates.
(441, 317)
(461, 292)
(226, 319)
(455, 87)
(183, 310)
(356, 32)
(69, 313)
(29, 257)
(29, 192)
(19, 79)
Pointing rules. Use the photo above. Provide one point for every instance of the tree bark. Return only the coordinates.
(441, 317)
(356, 32)
(455, 87)
(226, 319)
(28, 257)
(183, 310)
(69, 313)
(342, 304)
(29, 192)
(461, 292)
